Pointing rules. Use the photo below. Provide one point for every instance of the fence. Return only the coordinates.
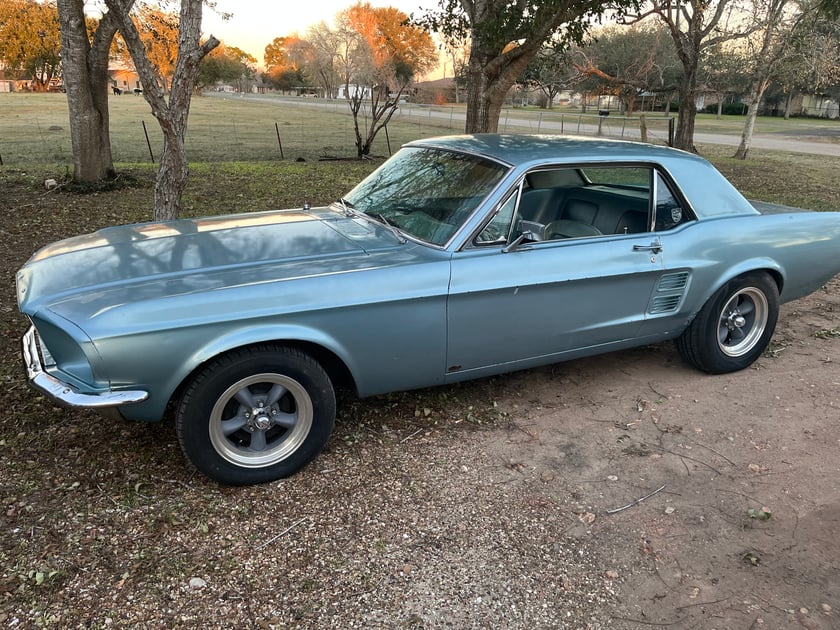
(34, 128)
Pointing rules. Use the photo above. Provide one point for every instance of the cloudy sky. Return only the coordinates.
(256, 23)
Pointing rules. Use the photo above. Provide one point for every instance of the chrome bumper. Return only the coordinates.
(63, 392)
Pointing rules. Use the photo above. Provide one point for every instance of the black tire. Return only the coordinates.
(734, 326)
(256, 414)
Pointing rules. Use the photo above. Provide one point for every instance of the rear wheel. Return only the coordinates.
(734, 327)
(256, 414)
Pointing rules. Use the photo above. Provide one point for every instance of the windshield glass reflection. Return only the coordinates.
(427, 193)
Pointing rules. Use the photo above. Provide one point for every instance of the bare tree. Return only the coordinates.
(171, 114)
(766, 52)
(321, 55)
(386, 55)
(457, 53)
(694, 26)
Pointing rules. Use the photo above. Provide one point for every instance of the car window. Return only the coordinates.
(498, 230)
(427, 193)
(589, 201)
(669, 211)
(629, 176)
(586, 202)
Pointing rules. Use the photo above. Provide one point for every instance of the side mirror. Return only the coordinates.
(533, 231)
(530, 231)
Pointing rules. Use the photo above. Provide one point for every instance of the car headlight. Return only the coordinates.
(61, 352)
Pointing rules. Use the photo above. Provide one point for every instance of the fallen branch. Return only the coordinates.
(407, 438)
(637, 501)
(281, 534)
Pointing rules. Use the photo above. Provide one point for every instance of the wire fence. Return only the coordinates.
(35, 129)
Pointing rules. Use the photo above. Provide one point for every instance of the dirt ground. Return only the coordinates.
(510, 502)
(744, 528)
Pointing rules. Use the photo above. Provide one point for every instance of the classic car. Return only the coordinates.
(459, 257)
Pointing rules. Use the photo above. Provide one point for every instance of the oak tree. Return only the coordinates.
(505, 35)
(85, 52)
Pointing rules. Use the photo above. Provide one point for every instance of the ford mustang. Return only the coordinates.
(459, 257)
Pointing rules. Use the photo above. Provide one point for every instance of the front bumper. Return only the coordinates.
(64, 392)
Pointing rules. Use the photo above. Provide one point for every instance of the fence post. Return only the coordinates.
(148, 144)
(643, 127)
(388, 140)
(671, 131)
(279, 142)
(539, 123)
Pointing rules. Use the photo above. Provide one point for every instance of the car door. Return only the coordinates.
(545, 299)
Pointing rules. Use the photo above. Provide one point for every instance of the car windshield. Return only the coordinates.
(427, 193)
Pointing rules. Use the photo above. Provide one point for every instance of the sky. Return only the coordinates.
(255, 24)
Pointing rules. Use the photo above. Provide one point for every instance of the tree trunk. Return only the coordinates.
(86, 81)
(172, 174)
(757, 93)
(684, 135)
(490, 79)
(483, 109)
(788, 103)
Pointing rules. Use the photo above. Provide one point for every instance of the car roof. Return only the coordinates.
(709, 193)
(522, 149)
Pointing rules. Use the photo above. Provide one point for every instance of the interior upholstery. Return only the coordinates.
(605, 211)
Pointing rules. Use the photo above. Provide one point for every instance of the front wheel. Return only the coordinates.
(256, 414)
(734, 327)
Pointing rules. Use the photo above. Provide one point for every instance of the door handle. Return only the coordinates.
(655, 247)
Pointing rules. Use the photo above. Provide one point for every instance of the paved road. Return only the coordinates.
(572, 123)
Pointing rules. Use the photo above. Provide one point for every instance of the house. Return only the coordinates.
(820, 105)
(353, 91)
(124, 79)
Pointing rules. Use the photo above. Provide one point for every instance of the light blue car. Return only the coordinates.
(460, 257)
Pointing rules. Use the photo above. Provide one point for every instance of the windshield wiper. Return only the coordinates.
(350, 211)
(349, 208)
(394, 229)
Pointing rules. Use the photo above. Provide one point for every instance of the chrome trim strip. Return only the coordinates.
(64, 392)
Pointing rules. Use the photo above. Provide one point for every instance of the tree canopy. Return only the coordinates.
(504, 36)
(225, 64)
(30, 41)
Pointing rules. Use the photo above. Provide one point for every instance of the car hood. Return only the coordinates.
(83, 276)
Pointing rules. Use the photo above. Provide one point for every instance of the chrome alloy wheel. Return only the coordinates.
(261, 420)
(742, 322)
